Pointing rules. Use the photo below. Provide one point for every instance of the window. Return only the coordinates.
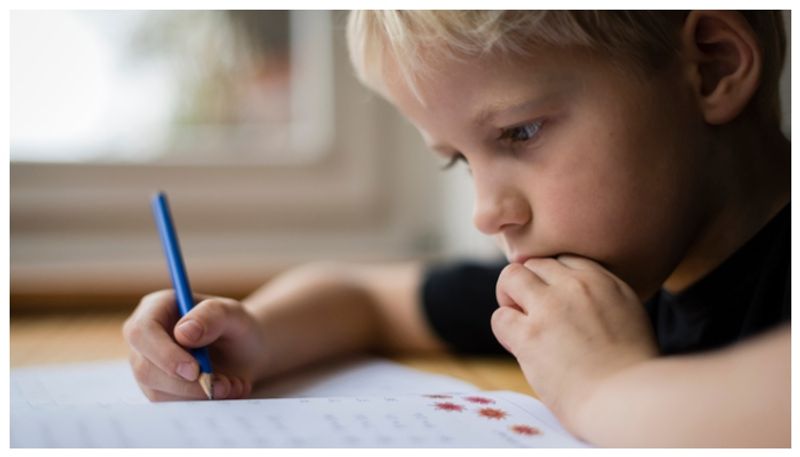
(212, 87)
(325, 170)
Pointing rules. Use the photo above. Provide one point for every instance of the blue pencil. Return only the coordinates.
(180, 281)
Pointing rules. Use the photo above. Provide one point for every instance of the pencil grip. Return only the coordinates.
(177, 270)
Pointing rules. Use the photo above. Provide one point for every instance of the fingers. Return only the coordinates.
(160, 386)
(507, 324)
(146, 333)
(239, 388)
(571, 269)
(522, 286)
(161, 308)
(548, 269)
(518, 287)
(577, 263)
(223, 390)
(165, 370)
(153, 379)
(592, 268)
(210, 320)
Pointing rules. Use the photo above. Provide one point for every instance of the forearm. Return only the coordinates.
(737, 397)
(309, 314)
(323, 310)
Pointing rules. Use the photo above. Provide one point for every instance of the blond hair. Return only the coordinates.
(647, 40)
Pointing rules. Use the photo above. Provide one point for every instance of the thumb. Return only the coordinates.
(209, 320)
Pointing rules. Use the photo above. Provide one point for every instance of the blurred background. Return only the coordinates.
(270, 150)
(272, 154)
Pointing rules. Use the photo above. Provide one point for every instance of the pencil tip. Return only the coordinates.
(207, 384)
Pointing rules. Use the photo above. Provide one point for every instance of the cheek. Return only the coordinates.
(624, 187)
(584, 197)
(629, 218)
(583, 218)
(600, 201)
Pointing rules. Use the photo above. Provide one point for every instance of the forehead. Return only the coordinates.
(476, 87)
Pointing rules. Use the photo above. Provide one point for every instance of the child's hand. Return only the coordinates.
(162, 366)
(570, 323)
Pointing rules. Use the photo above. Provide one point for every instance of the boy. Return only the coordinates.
(620, 159)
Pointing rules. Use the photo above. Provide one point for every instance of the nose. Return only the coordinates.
(499, 206)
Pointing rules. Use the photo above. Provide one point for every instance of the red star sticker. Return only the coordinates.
(525, 430)
(449, 406)
(479, 400)
(492, 413)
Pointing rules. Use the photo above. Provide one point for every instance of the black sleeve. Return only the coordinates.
(458, 301)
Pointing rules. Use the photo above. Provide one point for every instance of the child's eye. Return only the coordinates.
(457, 157)
(522, 133)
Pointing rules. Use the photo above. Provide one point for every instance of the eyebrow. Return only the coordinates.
(487, 114)
(490, 112)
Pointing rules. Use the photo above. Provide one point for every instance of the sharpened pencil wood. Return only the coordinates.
(207, 383)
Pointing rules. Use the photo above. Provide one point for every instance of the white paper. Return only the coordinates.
(357, 403)
(110, 382)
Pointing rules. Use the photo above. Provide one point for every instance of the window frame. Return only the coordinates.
(307, 133)
(92, 203)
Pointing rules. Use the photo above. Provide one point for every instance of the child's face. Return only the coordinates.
(569, 154)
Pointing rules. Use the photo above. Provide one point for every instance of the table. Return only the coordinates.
(84, 336)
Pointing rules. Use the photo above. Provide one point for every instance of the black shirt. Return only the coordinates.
(747, 293)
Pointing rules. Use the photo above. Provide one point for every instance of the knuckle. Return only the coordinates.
(501, 320)
(550, 303)
(511, 270)
(126, 330)
(157, 296)
(620, 288)
(158, 396)
(150, 302)
(498, 317)
(187, 390)
(214, 314)
(149, 393)
(499, 327)
(132, 331)
(220, 306)
(229, 305)
(579, 286)
(229, 309)
(142, 369)
(540, 311)
(536, 326)
(537, 320)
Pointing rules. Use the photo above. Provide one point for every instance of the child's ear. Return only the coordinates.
(724, 59)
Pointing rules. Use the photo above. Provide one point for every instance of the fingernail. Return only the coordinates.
(187, 371)
(191, 330)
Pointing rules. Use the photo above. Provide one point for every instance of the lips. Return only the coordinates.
(521, 258)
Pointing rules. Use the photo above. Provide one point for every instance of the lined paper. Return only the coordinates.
(364, 403)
